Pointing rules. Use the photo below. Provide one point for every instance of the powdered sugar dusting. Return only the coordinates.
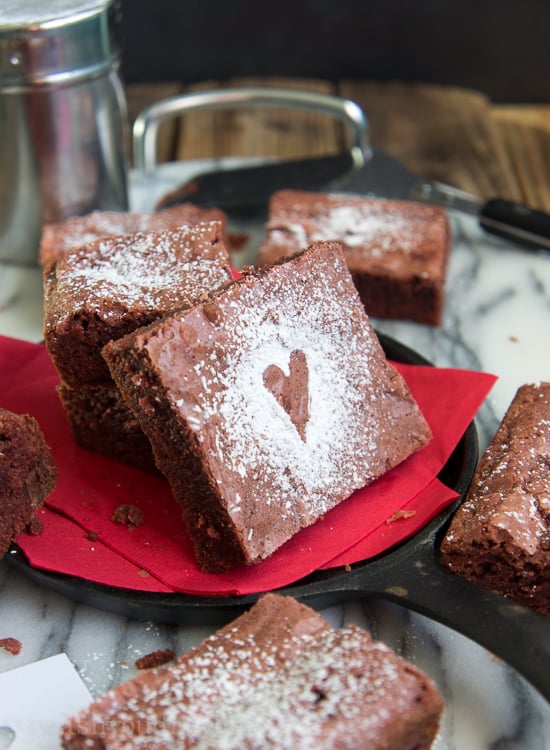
(142, 271)
(231, 693)
(248, 439)
(372, 227)
(75, 231)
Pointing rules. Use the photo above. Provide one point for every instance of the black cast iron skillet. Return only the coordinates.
(409, 575)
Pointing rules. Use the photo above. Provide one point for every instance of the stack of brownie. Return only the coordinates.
(265, 402)
(106, 289)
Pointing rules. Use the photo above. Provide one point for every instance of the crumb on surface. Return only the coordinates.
(400, 515)
(34, 527)
(12, 645)
(155, 658)
(128, 515)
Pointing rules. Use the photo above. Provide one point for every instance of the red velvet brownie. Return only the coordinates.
(116, 284)
(102, 423)
(27, 473)
(276, 677)
(396, 251)
(75, 231)
(267, 404)
(106, 289)
(500, 535)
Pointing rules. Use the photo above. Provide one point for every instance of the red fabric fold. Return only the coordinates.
(80, 538)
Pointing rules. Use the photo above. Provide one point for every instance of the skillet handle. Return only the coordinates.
(144, 131)
(510, 631)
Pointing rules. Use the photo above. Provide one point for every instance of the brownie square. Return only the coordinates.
(27, 473)
(276, 677)
(76, 231)
(267, 404)
(116, 284)
(499, 537)
(396, 251)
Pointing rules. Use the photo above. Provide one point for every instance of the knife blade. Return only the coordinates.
(379, 176)
(251, 187)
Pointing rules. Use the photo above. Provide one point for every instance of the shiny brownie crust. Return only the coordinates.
(500, 535)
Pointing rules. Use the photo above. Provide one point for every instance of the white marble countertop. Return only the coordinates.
(497, 319)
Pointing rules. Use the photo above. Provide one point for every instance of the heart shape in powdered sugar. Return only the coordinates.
(291, 391)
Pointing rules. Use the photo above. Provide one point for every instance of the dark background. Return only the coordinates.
(499, 48)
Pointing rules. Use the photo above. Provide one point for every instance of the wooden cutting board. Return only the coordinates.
(450, 134)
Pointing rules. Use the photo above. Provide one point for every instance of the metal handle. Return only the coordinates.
(147, 122)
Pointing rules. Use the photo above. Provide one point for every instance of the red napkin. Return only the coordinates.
(80, 538)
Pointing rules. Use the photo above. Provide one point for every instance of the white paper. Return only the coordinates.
(35, 700)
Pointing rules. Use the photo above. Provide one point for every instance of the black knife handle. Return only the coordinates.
(516, 222)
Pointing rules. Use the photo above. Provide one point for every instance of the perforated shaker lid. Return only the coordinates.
(58, 41)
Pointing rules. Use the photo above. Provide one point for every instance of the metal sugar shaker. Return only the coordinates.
(63, 119)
